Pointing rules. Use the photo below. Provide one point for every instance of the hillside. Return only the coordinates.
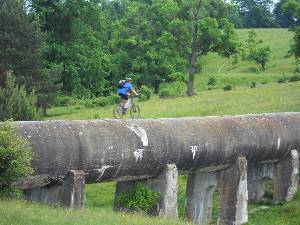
(244, 72)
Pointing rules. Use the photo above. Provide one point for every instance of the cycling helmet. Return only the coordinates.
(128, 79)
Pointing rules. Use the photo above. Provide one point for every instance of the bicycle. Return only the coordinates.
(133, 109)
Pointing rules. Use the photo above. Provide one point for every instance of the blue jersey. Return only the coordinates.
(125, 89)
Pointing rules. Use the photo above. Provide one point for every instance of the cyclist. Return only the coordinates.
(125, 88)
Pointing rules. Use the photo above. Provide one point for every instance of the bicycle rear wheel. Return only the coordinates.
(135, 112)
(118, 112)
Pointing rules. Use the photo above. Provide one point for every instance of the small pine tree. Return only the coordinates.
(15, 160)
(15, 103)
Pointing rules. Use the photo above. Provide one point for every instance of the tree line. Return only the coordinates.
(82, 48)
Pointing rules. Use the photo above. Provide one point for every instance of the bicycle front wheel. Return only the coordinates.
(118, 112)
(135, 112)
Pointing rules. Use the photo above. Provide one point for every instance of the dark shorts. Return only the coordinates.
(124, 96)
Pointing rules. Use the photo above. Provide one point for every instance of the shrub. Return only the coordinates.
(15, 159)
(15, 103)
(63, 100)
(145, 93)
(294, 78)
(253, 84)
(283, 79)
(100, 101)
(177, 77)
(113, 99)
(175, 89)
(140, 198)
(212, 82)
(227, 87)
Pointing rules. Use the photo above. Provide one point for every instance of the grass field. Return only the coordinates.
(273, 97)
(268, 96)
(99, 203)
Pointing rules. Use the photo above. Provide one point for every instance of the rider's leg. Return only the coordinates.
(126, 103)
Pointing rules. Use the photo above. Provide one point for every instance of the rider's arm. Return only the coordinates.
(134, 92)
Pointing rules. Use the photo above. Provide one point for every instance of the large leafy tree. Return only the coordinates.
(143, 45)
(284, 18)
(75, 31)
(256, 13)
(208, 31)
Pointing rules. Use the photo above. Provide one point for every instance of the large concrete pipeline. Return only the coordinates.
(128, 149)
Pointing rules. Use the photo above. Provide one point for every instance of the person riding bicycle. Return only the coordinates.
(125, 88)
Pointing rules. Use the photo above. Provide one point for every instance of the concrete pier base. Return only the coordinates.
(200, 187)
(286, 178)
(233, 194)
(166, 184)
(69, 192)
(284, 174)
(258, 174)
(232, 184)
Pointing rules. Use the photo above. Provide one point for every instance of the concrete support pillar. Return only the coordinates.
(233, 194)
(199, 190)
(166, 184)
(286, 178)
(257, 176)
(68, 193)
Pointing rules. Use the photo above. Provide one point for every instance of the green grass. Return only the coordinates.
(273, 97)
(99, 204)
(268, 96)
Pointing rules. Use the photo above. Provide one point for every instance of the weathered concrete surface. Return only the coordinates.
(136, 149)
(284, 174)
(286, 178)
(69, 192)
(166, 184)
(233, 194)
(199, 191)
(232, 185)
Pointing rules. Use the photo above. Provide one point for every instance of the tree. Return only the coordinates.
(75, 31)
(284, 19)
(15, 103)
(293, 6)
(208, 32)
(20, 42)
(256, 13)
(260, 55)
(142, 44)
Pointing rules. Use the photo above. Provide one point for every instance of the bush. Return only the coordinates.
(227, 87)
(15, 159)
(63, 100)
(140, 198)
(15, 103)
(175, 89)
(145, 93)
(177, 77)
(294, 78)
(283, 79)
(212, 82)
(100, 101)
